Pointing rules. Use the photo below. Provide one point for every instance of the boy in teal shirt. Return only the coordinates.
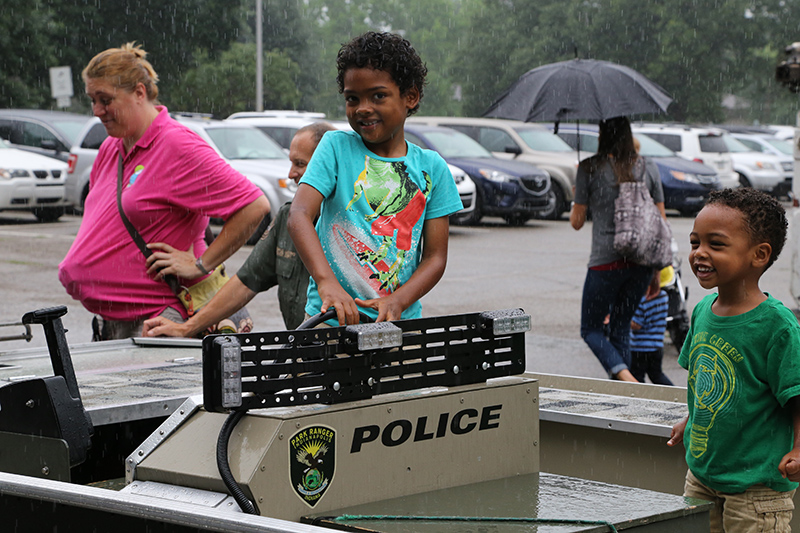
(743, 357)
(380, 242)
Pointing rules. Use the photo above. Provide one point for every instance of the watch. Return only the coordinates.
(200, 267)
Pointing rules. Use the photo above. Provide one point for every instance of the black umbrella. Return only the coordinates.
(579, 89)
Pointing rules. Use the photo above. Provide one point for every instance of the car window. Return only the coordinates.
(713, 143)
(280, 134)
(455, 144)
(752, 145)
(34, 135)
(69, 127)
(673, 142)
(543, 141)
(784, 146)
(410, 137)
(496, 140)
(95, 137)
(7, 130)
(650, 148)
(245, 143)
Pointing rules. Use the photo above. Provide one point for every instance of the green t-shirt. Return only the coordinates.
(742, 371)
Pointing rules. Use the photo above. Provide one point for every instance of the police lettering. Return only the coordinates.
(400, 431)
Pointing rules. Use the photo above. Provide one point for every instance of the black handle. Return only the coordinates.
(54, 332)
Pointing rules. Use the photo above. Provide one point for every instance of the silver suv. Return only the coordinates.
(526, 142)
(704, 145)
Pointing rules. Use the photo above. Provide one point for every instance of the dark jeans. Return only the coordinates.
(616, 293)
(649, 363)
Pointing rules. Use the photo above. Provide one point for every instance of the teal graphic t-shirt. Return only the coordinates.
(370, 225)
(742, 371)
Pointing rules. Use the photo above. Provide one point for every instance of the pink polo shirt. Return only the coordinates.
(172, 182)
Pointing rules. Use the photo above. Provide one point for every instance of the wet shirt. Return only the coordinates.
(172, 182)
(275, 261)
(374, 208)
(742, 371)
(598, 190)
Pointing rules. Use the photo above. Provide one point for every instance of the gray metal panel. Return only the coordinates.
(31, 455)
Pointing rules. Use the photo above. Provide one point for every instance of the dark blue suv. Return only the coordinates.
(512, 190)
(686, 183)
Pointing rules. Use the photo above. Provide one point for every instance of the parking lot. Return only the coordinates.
(539, 267)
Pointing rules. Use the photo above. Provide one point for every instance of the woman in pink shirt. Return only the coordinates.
(173, 181)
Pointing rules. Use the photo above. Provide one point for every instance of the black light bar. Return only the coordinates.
(332, 365)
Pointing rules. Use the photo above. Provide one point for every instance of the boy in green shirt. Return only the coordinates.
(742, 435)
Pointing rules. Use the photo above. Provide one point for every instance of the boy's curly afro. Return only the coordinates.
(384, 51)
(764, 216)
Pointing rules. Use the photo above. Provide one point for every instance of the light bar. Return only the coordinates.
(231, 362)
(377, 336)
(506, 321)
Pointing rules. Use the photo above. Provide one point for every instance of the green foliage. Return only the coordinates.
(225, 85)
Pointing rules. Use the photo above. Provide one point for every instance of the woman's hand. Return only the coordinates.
(168, 260)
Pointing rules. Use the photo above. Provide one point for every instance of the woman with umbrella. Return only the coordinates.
(613, 286)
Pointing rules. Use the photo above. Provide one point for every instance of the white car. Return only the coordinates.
(466, 189)
(768, 144)
(31, 182)
(756, 169)
(704, 145)
(282, 128)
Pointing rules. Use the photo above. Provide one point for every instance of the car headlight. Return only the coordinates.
(684, 176)
(763, 165)
(496, 175)
(288, 184)
(8, 173)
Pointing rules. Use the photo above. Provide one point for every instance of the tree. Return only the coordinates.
(226, 85)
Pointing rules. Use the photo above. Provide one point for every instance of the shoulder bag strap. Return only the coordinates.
(170, 279)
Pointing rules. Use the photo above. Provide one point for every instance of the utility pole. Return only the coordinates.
(259, 58)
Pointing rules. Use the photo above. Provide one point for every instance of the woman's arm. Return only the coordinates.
(235, 232)
(436, 232)
(577, 217)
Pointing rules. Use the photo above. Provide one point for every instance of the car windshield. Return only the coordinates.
(245, 143)
(650, 148)
(734, 146)
(455, 144)
(784, 146)
(544, 141)
(70, 128)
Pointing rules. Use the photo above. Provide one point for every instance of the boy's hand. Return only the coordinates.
(789, 466)
(676, 437)
(388, 308)
(333, 295)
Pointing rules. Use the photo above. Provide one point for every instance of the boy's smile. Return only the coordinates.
(722, 252)
(376, 110)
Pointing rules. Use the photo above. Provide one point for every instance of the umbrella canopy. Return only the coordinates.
(579, 89)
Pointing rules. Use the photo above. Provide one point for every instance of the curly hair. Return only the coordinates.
(764, 216)
(384, 51)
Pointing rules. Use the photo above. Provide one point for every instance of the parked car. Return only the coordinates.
(466, 191)
(513, 190)
(756, 169)
(50, 133)
(686, 184)
(522, 141)
(81, 158)
(31, 182)
(281, 125)
(703, 145)
(780, 148)
(252, 153)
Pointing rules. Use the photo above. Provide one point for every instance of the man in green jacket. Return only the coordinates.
(273, 261)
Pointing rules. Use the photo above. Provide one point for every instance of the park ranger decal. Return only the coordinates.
(312, 460)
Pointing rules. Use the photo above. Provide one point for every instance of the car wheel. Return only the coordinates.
(471, 218)
(48, 214)
(555, 204)
(743, 181)
(262, 227)
(517, 219)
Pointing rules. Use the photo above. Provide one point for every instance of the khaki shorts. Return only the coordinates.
(757, 509)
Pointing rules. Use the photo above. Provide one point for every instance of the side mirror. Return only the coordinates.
(516, 150)
(50, 145)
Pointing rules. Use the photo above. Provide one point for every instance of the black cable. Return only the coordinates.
(225, 469)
